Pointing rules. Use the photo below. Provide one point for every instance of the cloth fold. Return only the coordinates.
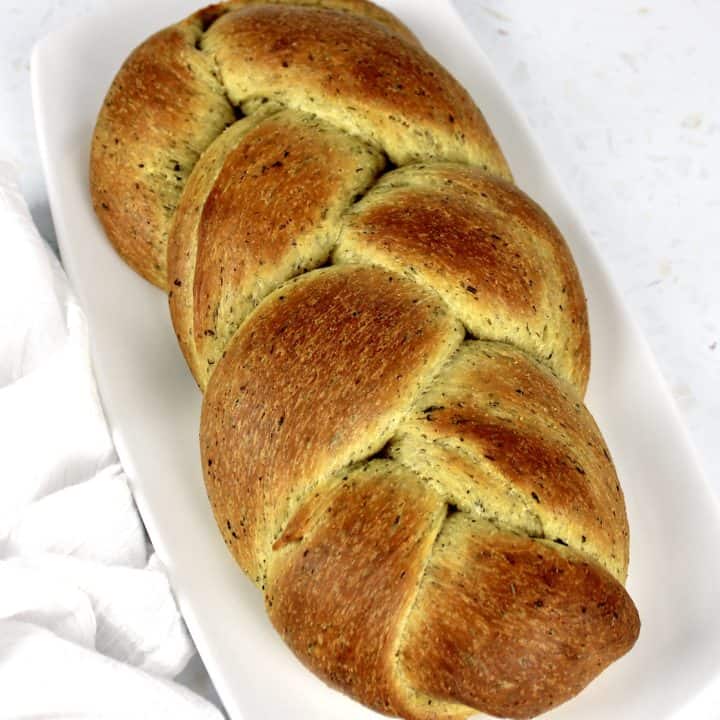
(88, 623)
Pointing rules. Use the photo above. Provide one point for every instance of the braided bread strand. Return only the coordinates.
(392, 340)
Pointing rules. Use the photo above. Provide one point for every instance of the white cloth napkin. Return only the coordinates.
(88, 624)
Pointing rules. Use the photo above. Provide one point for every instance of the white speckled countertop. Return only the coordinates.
(623, 97)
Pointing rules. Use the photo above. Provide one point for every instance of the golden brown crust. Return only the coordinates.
(168, 102)
(182, 237)
(512, 442)
(490, 251)
(163, 109)
(339, 595)
(361, 8)
(359, 75)
(435, 520)
(266, 211)
(318, 377)
(510, 625)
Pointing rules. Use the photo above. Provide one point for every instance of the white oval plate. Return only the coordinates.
(153, 409)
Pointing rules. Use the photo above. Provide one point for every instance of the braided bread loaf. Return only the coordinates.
(392, 340)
